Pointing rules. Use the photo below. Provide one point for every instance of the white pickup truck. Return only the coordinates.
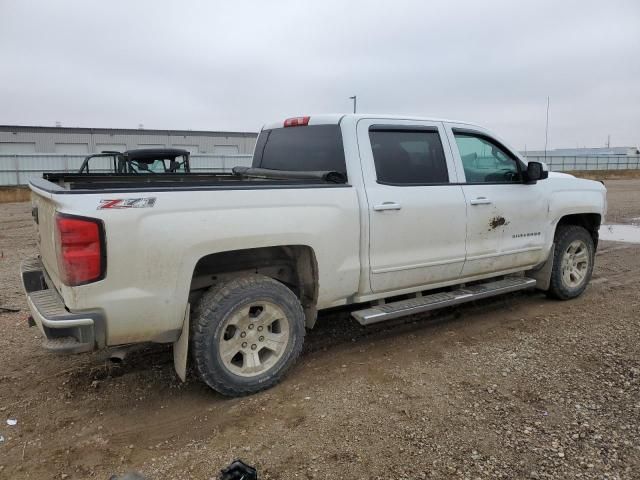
(390, 216)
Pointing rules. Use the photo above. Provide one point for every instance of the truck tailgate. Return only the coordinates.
(44, 211)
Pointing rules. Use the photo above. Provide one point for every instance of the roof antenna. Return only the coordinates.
(355, 100)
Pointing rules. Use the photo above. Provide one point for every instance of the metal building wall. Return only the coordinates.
(61, 140)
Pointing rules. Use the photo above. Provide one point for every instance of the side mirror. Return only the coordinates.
(536, 171)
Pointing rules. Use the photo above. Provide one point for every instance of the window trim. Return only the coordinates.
(475, 133)
(402, 128)
(408, 129)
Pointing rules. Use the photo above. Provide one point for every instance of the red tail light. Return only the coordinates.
(296, 121)
(80, 248)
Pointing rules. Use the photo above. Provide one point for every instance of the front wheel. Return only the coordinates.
(572, 262)
(246, 333)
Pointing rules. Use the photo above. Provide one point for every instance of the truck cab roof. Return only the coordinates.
(337, 118)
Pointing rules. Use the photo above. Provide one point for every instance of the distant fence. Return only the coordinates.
(20, 168)
(588, 162)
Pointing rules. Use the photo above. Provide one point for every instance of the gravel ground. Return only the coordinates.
(516, 387)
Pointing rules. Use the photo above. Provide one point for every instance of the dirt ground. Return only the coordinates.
(518, 387)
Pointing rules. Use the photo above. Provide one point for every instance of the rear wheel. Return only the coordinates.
(572, 263)
(246, 334)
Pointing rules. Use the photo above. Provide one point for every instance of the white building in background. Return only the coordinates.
(16, 139)
(586, 152)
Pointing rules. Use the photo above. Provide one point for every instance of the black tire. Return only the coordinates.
(211, 320)
(559, 287)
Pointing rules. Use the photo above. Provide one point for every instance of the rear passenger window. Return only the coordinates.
(408, 156)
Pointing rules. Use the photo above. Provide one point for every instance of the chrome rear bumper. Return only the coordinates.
(64, 331)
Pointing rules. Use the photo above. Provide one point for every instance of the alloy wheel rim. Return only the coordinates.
(575, 264)
(254, 338)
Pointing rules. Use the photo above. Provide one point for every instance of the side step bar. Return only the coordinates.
(388, 311)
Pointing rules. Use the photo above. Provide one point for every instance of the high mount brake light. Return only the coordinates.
(296, 121)
(80, 249)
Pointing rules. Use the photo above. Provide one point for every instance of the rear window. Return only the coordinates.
(306, 149)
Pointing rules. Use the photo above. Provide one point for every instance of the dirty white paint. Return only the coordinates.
(620, 233)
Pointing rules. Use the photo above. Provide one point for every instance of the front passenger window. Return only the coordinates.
(484, 161)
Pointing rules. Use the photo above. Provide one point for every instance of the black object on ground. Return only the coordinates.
(9, 310)
(128, 476)
(238, 470)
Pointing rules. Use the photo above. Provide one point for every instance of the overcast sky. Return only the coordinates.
(235, 65)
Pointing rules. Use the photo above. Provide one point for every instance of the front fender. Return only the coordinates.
(576, 196)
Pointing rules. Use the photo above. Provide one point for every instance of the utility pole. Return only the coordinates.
(609, 141)
(546, 132)
(355, 100)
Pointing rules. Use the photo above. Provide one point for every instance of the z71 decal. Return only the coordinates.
(147, 202)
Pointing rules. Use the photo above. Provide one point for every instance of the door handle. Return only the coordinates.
(387, 206)
(481, 201)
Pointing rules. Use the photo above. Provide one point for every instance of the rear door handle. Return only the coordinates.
(481, 201)
(387, 206)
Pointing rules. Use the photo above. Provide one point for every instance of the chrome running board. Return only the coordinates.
(388, 311)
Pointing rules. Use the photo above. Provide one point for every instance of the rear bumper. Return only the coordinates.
(64, 331)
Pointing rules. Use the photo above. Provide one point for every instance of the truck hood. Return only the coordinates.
(576, 182)
(560, 175)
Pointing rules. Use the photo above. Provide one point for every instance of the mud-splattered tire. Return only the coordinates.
(572, 262)
(245, 334)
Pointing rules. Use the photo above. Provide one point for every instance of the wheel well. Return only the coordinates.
(293, 265)
(589, 221)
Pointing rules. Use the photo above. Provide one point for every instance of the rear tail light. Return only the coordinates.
(80, 248)
(296, 121)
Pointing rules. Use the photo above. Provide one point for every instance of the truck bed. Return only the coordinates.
(80, 182)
